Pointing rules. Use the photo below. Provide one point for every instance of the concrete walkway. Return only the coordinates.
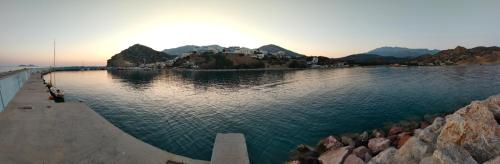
(230, 148)
(36, 130)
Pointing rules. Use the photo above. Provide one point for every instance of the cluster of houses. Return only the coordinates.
(255, 53)
(312, 62)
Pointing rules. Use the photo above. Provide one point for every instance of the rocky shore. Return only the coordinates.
(470, 135)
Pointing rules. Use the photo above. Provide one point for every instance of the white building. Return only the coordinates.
(239, 50)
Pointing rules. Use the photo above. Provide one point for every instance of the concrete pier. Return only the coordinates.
(34, 129)
(230, 148)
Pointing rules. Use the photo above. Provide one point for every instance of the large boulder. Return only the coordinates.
(335, 156)
(329, 143)
(493, 161)
(449, 154)
(430, 133)
(473, 128)
(353, 159)
(378, 144)
(384, 157)
(494, 106)
(413, 151)
(402, 138)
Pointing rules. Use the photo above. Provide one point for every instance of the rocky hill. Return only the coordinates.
(464, 56)
(271, 48)
(471, 135)
(402, 52)
(371, 59)
(136, 55)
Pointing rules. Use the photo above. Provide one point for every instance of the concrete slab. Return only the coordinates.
(230, 148)
(34, 129)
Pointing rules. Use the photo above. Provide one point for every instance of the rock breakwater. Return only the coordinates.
(470, 135)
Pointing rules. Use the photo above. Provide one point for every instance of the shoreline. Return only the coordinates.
(424, 142)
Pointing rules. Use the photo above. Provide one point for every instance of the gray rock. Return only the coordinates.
(347, 141)
(384, 157)
(430, 133)
(367, 157)
(353, 159)
(364, 137)
(378, 144)
(328, 143)
(494, 106)
(335, 156)
(449, 154)
(362, 152)
(413, 151)
(378, 133)
(429, 160)
(426, 135)
(493, 161)
(437, 124)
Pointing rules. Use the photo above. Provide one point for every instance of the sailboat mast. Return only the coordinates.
(54, 64)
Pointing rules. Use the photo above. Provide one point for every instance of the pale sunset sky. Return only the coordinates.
(91, 31)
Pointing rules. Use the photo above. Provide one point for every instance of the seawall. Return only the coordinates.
(34, 129)
(469, 135)
(11, 82)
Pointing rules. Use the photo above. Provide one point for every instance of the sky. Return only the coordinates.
(88, 32)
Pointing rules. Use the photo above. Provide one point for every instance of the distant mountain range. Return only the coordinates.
(457, 56)
(401, 52)
(371, 59)
(463, 56)
(136, 55)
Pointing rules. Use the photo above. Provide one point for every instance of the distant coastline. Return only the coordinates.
(272, 57)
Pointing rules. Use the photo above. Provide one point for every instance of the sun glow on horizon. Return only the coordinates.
(170, 35)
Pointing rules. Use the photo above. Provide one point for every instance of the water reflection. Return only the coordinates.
(137, 79)
(242, 79)
(202, 80)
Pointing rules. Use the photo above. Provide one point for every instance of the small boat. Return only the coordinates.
(57, 94)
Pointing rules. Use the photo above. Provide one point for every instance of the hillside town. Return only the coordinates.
(275, 57)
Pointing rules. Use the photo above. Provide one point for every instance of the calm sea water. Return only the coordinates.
(181, 112)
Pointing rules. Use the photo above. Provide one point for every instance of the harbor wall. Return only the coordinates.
(11, 84)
